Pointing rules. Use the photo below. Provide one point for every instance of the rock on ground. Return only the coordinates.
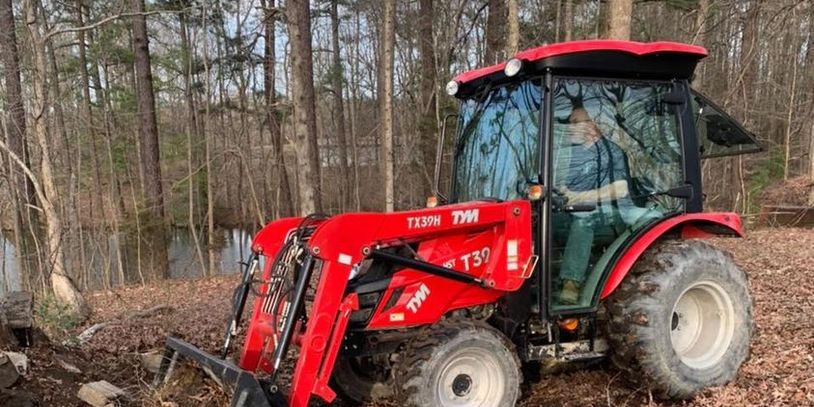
(99, 394)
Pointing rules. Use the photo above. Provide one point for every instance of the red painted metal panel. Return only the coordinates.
(688, 223)
(316, 341)
(267, 242)
(269, 239)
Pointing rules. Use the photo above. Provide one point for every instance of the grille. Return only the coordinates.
(284, 273)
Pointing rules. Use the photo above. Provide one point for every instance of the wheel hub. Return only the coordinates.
(461, 385)
(702, 324)
(472, 378)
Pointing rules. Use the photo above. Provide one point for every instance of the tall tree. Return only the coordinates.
(148, 131)
(337, 79)
(568, 20)
(305, 119)
(47, 194)
(811, 164)
(495, 31)
(88, 113)
(428, 125)
(15, 126)
(286, 204)
(619, 16)
(388, 33)
(21, 190)
(513, 36)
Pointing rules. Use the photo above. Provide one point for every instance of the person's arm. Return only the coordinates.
(612, 191)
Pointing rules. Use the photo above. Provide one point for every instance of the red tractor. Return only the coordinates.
(563, 239)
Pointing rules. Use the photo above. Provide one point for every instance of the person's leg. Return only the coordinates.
(577, 249)
(576, 258)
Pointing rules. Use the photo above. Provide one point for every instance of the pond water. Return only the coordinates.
(111, 260)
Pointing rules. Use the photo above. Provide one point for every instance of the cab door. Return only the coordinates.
(616, 154)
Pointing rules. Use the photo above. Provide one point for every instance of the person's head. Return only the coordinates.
(582, 128)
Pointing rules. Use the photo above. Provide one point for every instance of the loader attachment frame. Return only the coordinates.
(248, 390)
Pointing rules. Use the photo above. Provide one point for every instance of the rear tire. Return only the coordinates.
(459, 363)
(682, 319)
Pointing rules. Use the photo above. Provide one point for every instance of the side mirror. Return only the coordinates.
(439, 156)
(684, 191)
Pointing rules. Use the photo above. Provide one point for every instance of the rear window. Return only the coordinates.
(718, 134)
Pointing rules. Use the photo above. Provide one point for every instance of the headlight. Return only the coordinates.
(512, 67)
(452, 88)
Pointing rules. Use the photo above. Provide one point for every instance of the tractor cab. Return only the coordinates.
(604, 136)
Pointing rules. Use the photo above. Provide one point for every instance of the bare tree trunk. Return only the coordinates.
(15, 127)
(305, 121)
(513, 36)
(568, 20)
(557, 20)
(495, 32)
(387, 42)
(96, 199)
(338, 79)
(428, 125)
(210, 206)
(150, 155)
(789, 116)
(286, 204)
(747, 77)
(64, 289)
(21, 188)
(354, 111)
(619, 15)
(191, 129)
(811, 164)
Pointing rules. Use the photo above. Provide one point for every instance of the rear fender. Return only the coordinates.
(690, 226)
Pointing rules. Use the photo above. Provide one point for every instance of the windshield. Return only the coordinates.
(497, 151)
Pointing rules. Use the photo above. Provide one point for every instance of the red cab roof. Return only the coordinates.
(575, 47)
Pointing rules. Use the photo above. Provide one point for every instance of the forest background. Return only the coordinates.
(127, 121)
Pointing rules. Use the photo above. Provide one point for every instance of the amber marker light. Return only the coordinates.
(432, 201)
(535, 192)
(569, 325)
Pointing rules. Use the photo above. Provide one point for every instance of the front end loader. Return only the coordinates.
(567, 236)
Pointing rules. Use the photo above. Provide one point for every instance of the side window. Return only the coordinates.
(616, 151)
(718, 134)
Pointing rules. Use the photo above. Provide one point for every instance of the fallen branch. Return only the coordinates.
(87, 334)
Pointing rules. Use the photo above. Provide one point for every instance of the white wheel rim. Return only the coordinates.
(471, 378)
(702, 324)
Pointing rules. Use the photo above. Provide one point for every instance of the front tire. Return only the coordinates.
(682, 319)
(459, 363)
(363, 379)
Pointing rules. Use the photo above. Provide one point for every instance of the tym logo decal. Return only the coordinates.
(465, 216)
(418, 298)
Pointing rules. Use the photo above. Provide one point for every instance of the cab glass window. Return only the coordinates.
(718, 134)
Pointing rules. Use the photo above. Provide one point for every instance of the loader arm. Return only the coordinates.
(338, 245)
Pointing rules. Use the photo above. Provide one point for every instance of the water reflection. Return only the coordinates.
(109, 259)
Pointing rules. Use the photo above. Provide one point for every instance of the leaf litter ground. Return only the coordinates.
(779, 263)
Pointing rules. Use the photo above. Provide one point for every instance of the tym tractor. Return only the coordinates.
(568, 233)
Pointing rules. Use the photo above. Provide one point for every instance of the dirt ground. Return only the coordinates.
(779, 263)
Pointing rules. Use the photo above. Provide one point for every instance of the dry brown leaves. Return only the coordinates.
(779, 263)
(793, 192)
